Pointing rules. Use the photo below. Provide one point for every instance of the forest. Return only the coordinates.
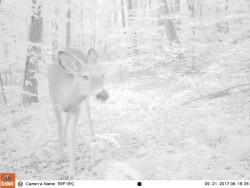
(178, 77)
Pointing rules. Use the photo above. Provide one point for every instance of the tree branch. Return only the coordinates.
(217, 94)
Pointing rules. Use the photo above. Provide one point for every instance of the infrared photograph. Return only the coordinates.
(124, 90)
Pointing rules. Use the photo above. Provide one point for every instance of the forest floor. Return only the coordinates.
(143, 132)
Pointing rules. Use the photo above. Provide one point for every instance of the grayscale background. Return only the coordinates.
(177, 72)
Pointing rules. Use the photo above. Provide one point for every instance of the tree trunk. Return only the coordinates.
(248, 4)
(143, 6)
(131, 22)
(55, 35)
(195, 6)
(33, 55)
(82, 29)
(167, 22)
(177, 10)
(3, 92)
(93, 23)
(191, 7)
(226, 12)
(150, 3)
(122, 11)
(115, 12)
(222, 27)
(1, 82)
(68, 29)
(130, 13)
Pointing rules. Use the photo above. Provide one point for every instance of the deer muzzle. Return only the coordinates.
(102, 96)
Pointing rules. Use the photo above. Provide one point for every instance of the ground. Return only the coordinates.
(143, 132)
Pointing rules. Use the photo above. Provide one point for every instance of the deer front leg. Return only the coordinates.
(75, 116)
(59, 126)
(64, 135)
(88, 110)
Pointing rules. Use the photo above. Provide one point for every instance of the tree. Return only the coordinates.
(93, 23)
(150, 3)
(131, 22)
(167, 22)
(222, 26)
(176, 9)
(1, 82)
(33, 55)
(82, 28)
(115, 12)
(122, 12)
(195, 6)
(55, 36)
(68, 30)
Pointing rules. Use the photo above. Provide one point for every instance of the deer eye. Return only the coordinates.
(84, 77)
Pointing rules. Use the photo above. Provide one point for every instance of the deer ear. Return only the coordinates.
(69, 63)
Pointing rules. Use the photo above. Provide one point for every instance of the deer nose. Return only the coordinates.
(103, 95)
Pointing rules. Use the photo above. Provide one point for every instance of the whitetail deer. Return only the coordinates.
(72, 79)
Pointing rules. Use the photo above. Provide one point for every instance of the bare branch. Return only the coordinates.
(217, 94)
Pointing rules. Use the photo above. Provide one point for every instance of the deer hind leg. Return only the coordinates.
(88, 110)
(64, 134)
(75, 116)
(59, 126)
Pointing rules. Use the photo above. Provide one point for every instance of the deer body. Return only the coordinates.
(71, 81)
